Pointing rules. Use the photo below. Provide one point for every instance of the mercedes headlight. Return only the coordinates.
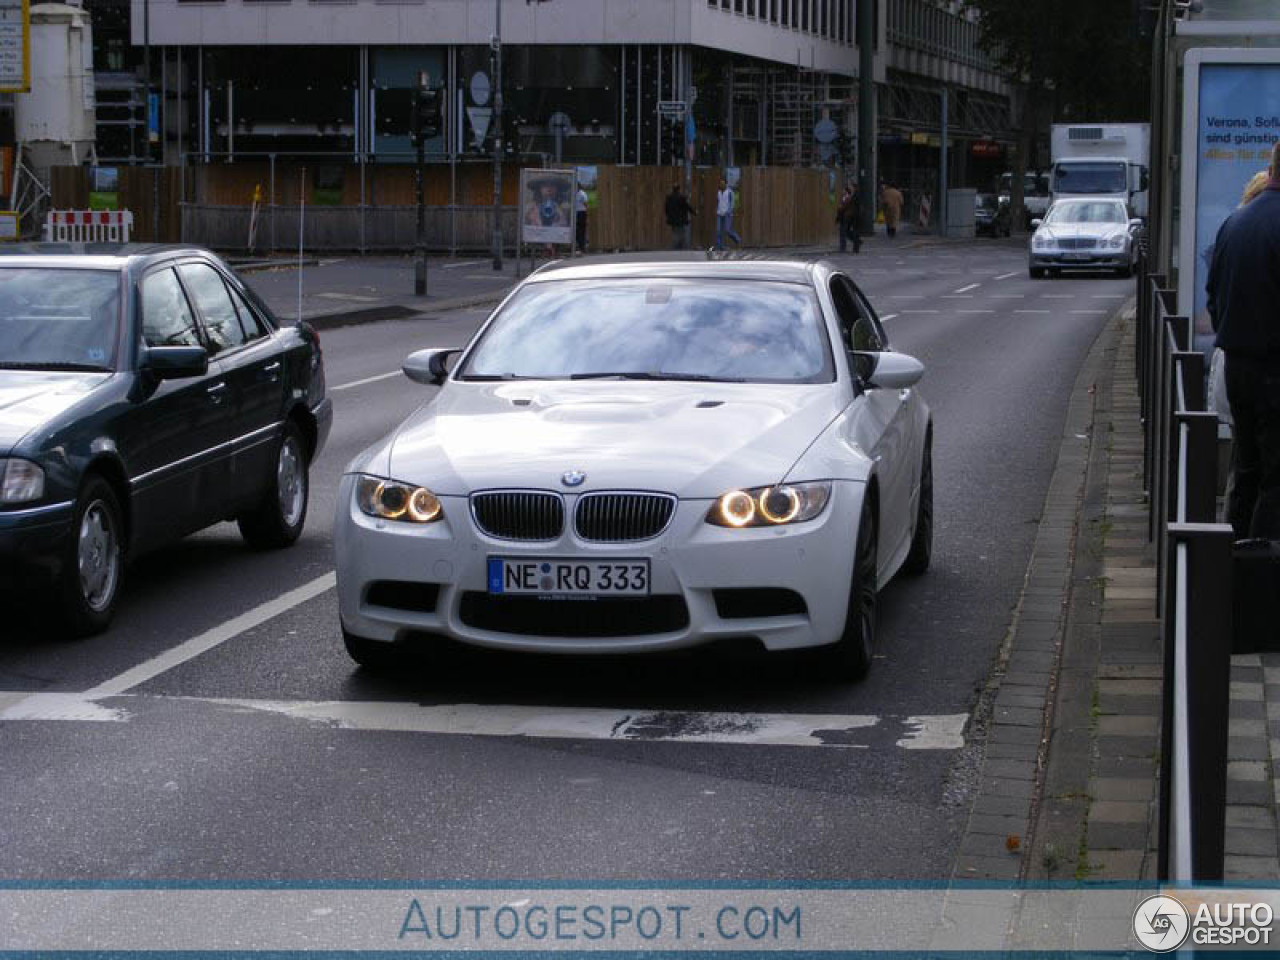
(1116, 242)
(21, 481)
(770, 506)
(1039, 242)
(391, 500)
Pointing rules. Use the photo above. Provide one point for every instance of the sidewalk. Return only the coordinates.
(1071, 718)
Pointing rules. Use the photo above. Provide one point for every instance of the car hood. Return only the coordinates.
(29, 398)
(695, 440)
(1092, 231)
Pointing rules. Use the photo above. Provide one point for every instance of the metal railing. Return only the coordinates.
(1193, 587)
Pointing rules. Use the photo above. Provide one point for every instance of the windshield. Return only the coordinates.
(1090, 178)
(58, 319)
(656, 329)
(1084, 211)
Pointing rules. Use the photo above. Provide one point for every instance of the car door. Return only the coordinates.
(884, 429)
(170, 437)
(252, 366)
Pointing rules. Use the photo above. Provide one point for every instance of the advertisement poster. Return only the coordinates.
(104, 188)
(587, 177)
(1233, 113)
(546, 205)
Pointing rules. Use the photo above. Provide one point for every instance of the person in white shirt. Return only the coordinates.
(580, 219)
(724, 215)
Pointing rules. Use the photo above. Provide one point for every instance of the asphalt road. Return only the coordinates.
(240, 757)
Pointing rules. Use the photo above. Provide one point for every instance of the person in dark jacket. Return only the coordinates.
(1244, 306)
(848, 217)
(678, 213)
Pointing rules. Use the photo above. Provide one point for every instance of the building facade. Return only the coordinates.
(770, 82)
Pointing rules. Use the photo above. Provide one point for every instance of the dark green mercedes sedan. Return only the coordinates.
(145, 393)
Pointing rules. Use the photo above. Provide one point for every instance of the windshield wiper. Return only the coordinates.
(654, 375)
(497, 376)
(52, 365)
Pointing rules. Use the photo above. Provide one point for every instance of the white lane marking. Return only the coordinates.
(972, 286)
(887, 316)
(1057, 296)
(956, 296)
(211, 638)
(353, 297)
(463, 263)
(841, 731)
(1006, 276)
(1008, 296)
(61, 706)
(1031, 311)
(944, 732)
(1109, 296)
(581, 723)
(975, 311)
(361, 383)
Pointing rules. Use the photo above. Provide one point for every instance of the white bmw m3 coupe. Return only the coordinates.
(646, 455)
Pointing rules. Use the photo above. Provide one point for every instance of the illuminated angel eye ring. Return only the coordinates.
(423, 506)
(767, 504)
(737, 508)
(386, 509)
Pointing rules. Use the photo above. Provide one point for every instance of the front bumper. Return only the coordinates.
(32, 544)
(688, 561)
(1080, 259)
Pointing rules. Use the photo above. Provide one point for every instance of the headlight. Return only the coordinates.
(390, 500)
(21, 481)
(770, 506)
(1116, 242)
(1039, 242)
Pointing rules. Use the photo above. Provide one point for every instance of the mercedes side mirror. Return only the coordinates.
(175, 363)
(888, 370)
(428, 366)
(1035, 223)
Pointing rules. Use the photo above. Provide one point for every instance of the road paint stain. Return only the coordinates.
(942, 732)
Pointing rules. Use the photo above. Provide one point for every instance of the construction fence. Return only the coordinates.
(255, 206)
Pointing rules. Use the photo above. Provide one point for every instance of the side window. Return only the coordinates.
(250, 322)
(869, 330)
(221, 322)
(167, 320)
(846, 310)
(857, 325)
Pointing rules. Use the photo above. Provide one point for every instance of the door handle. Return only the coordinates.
(272, 370)
(217, 393)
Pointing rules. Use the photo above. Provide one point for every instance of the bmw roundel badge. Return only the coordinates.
(572, 478)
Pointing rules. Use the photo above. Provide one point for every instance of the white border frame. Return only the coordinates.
(1190, 158)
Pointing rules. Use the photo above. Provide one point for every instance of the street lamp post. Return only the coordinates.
(495, 48)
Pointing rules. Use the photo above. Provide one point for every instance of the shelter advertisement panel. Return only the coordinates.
(546, 206)
(1231, 119)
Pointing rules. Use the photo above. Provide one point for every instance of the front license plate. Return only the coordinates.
(569, 578)
(1079, 256)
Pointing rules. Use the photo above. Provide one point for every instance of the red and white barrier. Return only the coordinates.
(88, 226)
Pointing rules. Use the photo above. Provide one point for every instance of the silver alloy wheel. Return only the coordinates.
(291, 482)
(98, 556)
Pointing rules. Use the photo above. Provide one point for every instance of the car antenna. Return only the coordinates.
(302, 214)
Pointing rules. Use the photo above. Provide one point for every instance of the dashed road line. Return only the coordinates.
(887, 316)
(361, 383)
(972, 286)
(1031, 311)
(975, 311)
(1006, 276)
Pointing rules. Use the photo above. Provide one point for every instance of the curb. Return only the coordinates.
(1014, 716)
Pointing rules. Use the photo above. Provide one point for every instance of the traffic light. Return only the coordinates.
(426, 113)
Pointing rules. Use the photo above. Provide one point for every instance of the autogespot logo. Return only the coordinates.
(1161, 924)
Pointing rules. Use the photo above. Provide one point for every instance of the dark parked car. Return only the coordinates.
(145, 393)
(991, 215)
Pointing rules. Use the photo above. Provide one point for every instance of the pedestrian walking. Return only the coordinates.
(724, 215)
(678, 213)
(1244, 288)
(891, 202)
(580, 219)
(848, 218)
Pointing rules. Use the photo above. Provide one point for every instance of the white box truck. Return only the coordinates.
(1102, 160)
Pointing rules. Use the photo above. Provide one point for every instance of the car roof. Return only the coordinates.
(679, 266)
(95, 256)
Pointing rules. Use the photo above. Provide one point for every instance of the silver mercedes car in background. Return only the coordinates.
(1082, 234)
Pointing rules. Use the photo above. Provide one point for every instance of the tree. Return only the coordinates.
(1081, 61)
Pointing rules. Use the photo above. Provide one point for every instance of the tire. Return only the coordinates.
(849, 658)
(1036, 273)
(93, 565)
(278, 520)
(373, 655)
(921, 552)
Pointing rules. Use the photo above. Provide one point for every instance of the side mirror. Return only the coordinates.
(175, 363)
(428, 366)
(891, 371)
(1036, 222)
(1136, 223)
